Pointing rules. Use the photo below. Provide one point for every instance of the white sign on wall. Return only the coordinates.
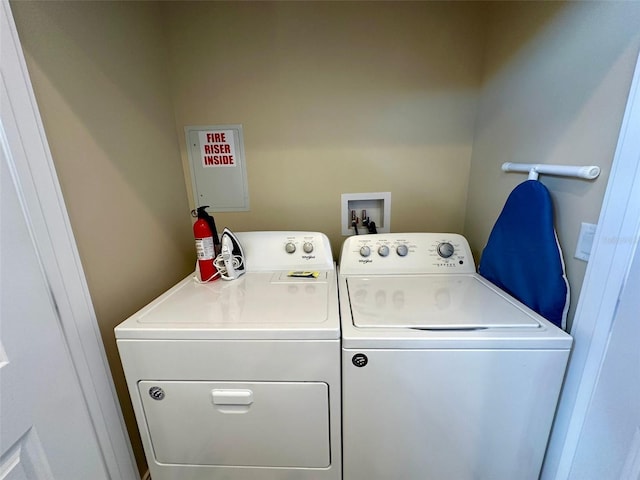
(218, 169)
(218, 148)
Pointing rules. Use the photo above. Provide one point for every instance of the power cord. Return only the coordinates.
(212, 277)
(219, 262)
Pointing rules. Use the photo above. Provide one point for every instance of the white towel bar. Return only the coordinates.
(589, 172)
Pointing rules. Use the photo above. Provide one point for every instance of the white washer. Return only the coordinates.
(444, 375)
(240, 380)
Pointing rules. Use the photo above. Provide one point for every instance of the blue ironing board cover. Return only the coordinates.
(523, 256)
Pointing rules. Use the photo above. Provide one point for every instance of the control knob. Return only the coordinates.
(383, 250)
(402, 250)
(290, 247)
(307, 247)
(365, 251)
(445, 249)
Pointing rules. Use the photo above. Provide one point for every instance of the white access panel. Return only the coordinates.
(259, 424)
(448, 413)
(218, 167)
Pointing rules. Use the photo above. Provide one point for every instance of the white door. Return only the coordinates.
(59, 415)
(596, 433)
(45, 427)
(609, 445)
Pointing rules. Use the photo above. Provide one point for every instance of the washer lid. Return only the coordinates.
(258, 305)
(433, 302)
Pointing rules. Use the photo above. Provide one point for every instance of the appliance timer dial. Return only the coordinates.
(402, 250)
(365, 251)
(383, 250)
(445, 249)
(307, 247)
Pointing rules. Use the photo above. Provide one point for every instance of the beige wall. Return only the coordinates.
(555, 86)
(100, 78)
(335, 97)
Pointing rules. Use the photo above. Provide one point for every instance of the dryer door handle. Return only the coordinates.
(232, 396)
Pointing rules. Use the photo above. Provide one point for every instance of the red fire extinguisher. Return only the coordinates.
(204, 231)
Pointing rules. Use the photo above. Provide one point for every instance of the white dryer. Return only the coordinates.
(444, 375)
(240, 380)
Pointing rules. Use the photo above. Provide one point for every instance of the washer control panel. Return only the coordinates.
(406, 253)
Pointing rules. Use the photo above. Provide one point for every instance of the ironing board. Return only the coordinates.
(523, 256)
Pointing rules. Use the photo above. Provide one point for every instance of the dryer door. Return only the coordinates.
(268, 424)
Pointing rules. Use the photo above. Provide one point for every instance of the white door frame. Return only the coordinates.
(24, 141)
(614, 247)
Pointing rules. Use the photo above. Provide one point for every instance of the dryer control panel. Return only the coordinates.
(286, 250)
(406, 253)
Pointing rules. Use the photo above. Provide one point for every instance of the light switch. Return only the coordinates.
(585, 241)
